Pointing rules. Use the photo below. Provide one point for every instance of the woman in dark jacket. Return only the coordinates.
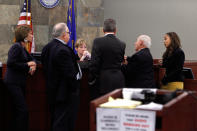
(83, 56)
(173, 61)
(81, 48)
(19, 64)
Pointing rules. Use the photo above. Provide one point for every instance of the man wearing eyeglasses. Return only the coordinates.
(62, 79)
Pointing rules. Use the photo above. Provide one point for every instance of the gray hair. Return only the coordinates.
(146, 40)
(109, 25)
(58, 29)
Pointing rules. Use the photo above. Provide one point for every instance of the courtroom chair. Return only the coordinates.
(187, 73)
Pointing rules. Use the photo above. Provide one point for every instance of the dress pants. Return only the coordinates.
(64, 115)
(20, 120)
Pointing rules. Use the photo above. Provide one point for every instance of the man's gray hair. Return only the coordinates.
(58, 29)
(146, 40)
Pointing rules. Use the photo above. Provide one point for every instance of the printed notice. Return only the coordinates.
(114, 119)
(137, 120)
(108, 119)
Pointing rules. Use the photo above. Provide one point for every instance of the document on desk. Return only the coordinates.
(121, 103)
(151, 106)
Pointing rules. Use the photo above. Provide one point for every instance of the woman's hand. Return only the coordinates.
(85, 54)
(32, 67)
(31, 63)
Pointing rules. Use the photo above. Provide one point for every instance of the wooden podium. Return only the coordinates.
(179, 114)
(36, 98)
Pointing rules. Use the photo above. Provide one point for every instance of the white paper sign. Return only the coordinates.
(108, 119)
(137, 120)
(115, 119)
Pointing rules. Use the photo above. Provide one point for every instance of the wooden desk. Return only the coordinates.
(190, 84)
(188, 63)
(159, 72)
(39, 116)
(38, 107)
(179, 114)
(2, 106)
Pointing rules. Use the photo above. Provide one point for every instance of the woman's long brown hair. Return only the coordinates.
(175, 43)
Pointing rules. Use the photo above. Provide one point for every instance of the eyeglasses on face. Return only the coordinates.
(68, 32)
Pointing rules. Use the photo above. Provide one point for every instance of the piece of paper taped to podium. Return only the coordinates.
(117, 119)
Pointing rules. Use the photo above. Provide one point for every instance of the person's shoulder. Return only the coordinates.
(49, 44)
(98, 42)
(120, 41)
(143, 53)
(179, 51)
(99, 39)
(123, 43)
(16, 45)
(60, 47)
(145, 50)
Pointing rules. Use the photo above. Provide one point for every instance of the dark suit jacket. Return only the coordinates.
(17, 68)
(107, 55)
(60, 67)
(174, 65)
(139, 70)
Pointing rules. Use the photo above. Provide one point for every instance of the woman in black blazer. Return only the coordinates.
(19, 64)
(173, 61)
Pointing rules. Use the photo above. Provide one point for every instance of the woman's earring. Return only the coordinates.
(25, 40)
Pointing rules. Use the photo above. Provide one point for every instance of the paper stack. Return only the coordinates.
(121, 103)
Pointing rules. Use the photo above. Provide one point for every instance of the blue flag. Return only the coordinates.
(71, 24)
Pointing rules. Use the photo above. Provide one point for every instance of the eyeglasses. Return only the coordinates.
(68, 32)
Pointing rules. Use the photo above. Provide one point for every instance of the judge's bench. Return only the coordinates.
(39, 117)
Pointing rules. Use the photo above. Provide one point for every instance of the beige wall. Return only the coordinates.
(155, 18)
(89, 19)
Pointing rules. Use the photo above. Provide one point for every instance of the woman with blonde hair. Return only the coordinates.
(81, 48)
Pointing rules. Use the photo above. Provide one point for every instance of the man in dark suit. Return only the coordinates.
(107, 56)
(62, 79)
(139, 70)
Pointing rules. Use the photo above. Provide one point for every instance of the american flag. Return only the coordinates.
(25, 19)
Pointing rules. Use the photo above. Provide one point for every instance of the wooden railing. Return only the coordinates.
(37, 102)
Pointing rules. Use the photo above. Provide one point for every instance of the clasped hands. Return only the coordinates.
(85, 54)
(32, 67)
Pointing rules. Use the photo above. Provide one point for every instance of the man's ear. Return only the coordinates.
(141, 42)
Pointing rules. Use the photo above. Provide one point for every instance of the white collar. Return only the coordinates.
(110, 33)
(61, 41)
